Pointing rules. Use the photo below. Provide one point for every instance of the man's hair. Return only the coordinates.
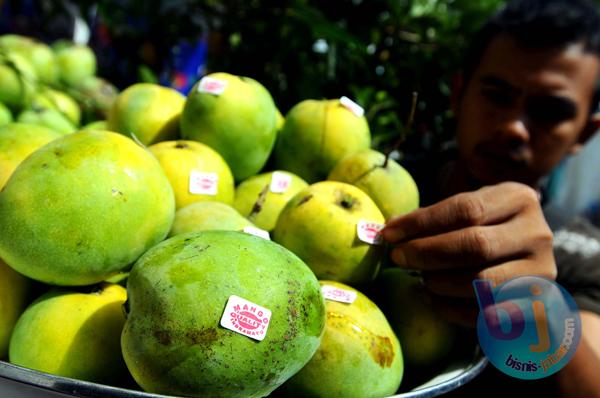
(539, 24)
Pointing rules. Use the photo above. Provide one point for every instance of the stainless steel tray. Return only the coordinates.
(19, 382)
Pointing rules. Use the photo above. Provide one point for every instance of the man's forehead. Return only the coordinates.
(570, 66)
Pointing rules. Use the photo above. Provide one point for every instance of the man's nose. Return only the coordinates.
(513, 129)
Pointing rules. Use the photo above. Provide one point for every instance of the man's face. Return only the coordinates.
(523, 110)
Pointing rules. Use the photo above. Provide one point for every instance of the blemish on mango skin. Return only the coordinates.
(382, 351)
(380, 348)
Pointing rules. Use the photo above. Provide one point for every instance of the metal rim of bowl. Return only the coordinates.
(80, 388)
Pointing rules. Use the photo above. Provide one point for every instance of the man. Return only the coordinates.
(526, 100)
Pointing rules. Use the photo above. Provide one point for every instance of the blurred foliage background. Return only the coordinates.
(377, 52)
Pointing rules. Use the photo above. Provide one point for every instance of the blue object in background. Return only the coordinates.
(187, 65)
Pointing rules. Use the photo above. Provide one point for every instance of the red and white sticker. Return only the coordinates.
(261, 233)
(245, 317)
(352, 106)
(211, 85)
(280, 182)
(369, 232)
(336, 294)
(202, 183)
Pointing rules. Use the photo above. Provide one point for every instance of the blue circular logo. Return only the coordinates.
(528, 327)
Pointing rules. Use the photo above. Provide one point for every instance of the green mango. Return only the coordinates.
(18, 81)
(82, 208)
(75, 61)
(17, 141)
(73, 334)
(14, 289)
(248, 192)
(320, 226)
(47, 117)
(208, 215)
(359, 356)
(149, 112)
(38, 54)
(392, 188)
(426, 336)
(58, 100)
(96, 97)
(173, 341)
(240, 123)
(5, 115)
(317, 134)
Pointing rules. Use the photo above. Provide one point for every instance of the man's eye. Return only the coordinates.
(497, 97)
(550, 110)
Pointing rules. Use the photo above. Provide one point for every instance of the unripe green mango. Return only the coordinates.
(5, 115)
(248, 192)
(391, 187)
(205, 216)
(75, 61)
(47, 117)
(38, 54)
(18, 81)
(17, 141)
(73, 334)
(82, 208)
(240, 123)
(173, 342)
(320, 224)
(14, 289)
(316, 134)
(359, 355)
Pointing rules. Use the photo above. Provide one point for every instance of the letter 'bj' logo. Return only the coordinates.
(528, 327)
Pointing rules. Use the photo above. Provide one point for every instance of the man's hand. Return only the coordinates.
(497, 232)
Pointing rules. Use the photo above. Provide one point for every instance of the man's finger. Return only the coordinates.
(459, 284)
(488, 205)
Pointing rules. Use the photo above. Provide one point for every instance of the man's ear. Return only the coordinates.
(456, 91)
(590, 129)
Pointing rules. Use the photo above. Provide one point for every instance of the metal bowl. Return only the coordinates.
(19, 382)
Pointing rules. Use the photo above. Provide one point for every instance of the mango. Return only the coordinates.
(73, 334)
(359, 356)
(147, 111)
(240, 122)
(189, 165)
(320, 225)
(18, 81)
(75, 61)
(173, 341)
(5, 115)
(82, 208)
(204, 216)
(57, 100)
(391, 187)
(428, 338)
(17, 141)
(316, 135)
(14, 289)
(38, 54)
(47, 117)
(249, 191)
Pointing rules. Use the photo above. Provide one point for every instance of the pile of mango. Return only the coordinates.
(202, 246)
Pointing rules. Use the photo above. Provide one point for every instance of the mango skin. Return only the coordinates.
(240, 124)
(17, 141)
(205, 216)
(5, 115)
(392, 188)
(316, 135)
(15, 92)
(173, 342)
(38, 54)
(82, 208)
(60, 101)
(179, 158)
(321, 230)
(73, 334)
(248, 191)
(359, 356)
(47, 117)
(427, 337)
(75, 62)
(149, 111)
(14, 289)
